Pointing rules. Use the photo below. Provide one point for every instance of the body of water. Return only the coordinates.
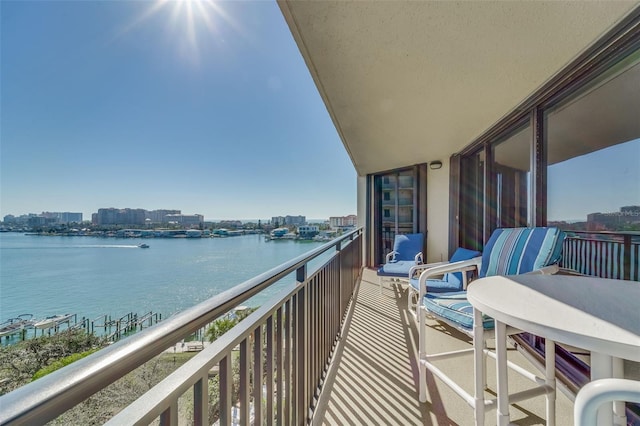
(91, 276)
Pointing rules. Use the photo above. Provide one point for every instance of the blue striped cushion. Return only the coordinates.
(512, 251)
(455, 307)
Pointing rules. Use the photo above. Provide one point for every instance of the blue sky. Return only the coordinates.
(599, 182)
(147, 104)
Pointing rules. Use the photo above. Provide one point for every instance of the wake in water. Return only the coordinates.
(121, 246)
(105, 246)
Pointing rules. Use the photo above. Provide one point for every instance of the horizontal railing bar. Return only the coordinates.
(620, 233)
(151, 405)
(42, 400)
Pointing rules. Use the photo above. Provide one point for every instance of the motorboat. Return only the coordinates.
(53, 321)
(143, 245)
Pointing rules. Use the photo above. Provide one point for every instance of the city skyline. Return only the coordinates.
(155, 214)
(137, 103)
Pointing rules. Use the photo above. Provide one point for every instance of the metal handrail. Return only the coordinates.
(607, 254)
(50, 396)
(179, 381)
(596, 393)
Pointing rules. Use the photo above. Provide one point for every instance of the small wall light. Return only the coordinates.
(435, 165)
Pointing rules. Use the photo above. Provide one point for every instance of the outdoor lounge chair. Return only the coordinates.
(508, 252)
(407, 252)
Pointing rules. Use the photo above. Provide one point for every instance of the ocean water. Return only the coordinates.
(91, 276)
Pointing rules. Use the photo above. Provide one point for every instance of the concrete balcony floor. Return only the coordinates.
(374, 379)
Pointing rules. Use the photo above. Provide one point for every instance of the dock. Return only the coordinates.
(24, 327)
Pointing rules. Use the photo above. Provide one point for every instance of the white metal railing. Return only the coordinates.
(601, 391)
(284, 349)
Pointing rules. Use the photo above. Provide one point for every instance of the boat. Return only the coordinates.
(281, 234)
(14, 325)
(53, 321)
(143, 245)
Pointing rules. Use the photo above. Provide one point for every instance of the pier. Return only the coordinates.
(25, 327)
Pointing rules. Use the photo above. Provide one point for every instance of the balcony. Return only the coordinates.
(374, 380)
(347, 355)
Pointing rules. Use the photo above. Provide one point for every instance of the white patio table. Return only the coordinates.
(596, 314)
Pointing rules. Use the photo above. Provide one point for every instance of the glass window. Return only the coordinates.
(511, 168)
(593, 174)
(472, 201)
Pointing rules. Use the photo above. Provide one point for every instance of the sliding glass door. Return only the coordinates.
(399, 207)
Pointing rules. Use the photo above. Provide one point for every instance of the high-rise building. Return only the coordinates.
(113, 216)
(63, 217)
(288, 220)
(614, 221)
(160, 216)
(343, 221)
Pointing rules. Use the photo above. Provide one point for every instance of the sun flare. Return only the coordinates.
(190, 22)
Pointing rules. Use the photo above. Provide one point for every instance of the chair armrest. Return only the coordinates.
(390, 255)
(423, 266)
(462, 266)
(547, 270)
(418, 258)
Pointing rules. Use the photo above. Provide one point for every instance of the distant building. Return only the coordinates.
(630, 210)
(185, 219)
(231, 224)
(36, 221)
(113, 216)
(627, 216)
(63, 217)
(160, 216)
(308, 231)
(288, 220)
(44, 218)
(343, 221)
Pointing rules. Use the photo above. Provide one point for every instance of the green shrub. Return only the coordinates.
(56, 365)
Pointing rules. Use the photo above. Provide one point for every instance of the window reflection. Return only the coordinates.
(593, 175)
(472, 201)
(512, 171)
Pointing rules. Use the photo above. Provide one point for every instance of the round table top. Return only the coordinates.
(597, 314)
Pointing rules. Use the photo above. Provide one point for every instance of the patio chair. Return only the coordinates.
(448, 282)
(407, 252)
(509, 251)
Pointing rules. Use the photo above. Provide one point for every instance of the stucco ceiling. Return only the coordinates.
(409, 82)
